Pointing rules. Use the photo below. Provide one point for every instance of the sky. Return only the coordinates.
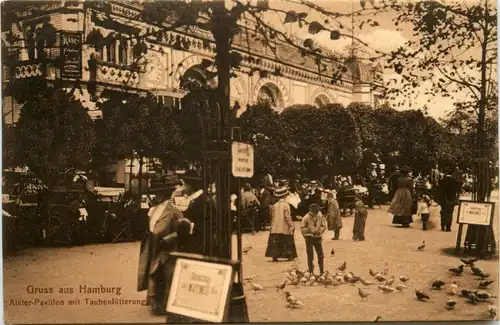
(385, 37)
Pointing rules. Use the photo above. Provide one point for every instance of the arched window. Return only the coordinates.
(270, 93)
(110, 48)
(122, 53)
(321, 101)
(193, 78)
(30, 44)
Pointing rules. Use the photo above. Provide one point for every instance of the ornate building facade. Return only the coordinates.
(90, 44)
(173, 59)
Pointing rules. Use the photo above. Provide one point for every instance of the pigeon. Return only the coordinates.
(363, 294)
(450, 304)
(485, 283)
(386, 289)
(366, 282)
(404, 279)
(249, 278)
(469, 262)
(380, 278)
(372, 273)
(400, 287)
(342, 267)
(457, 270)
(282, 286)
(245, 250)
(295, 282)
(465, 293)
(476, 271)
(289, 297)
(303, 281)
(437, 284)
(483, 295)
(332, 252)
(493, 311)
(422, 246)
(421, 295)
(299, 274)
(390, 281)
(472, 298)
(292, 301)
(453, 289)
(377, 319)
(256, 287)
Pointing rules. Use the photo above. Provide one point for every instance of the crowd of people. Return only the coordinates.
(317, 204)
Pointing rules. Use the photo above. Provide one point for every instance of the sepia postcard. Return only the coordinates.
(229, 161)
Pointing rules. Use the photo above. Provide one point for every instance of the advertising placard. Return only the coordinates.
(200, 290)
(475, 213)
(71, 53)
(242, 160)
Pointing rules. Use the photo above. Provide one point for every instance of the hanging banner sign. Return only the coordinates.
(242, 160)
(71, 53)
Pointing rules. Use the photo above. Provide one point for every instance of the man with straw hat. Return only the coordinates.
(166, 225)
(281, 243)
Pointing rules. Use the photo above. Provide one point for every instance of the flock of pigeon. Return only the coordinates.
(386, 285)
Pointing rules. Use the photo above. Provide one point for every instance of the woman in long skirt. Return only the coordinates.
(281, 243)
(402, 202)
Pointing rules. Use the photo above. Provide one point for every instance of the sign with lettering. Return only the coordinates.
(475, 213)
(242, 158)
(71, 53)
(200, 290)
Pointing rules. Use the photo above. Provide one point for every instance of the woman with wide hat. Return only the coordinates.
(167, 228)
(281, 243)
(402, 202)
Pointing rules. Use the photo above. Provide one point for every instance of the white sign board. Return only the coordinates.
(242, 158)
(475, 213)
(200, 290)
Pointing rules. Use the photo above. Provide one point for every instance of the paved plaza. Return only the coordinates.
(115, 265)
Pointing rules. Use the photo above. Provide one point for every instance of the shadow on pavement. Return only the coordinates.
(450, 251)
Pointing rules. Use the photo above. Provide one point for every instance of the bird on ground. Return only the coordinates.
(472, 298)
(347, 276)
(483, 295)
(386, 269)
(295, 282)
(400, 287)
(469, 262)
(354, 279)
(390, 281)
(483, 284)
(484, 276)
(457, 270)
(282, 286)
(404, 279)
(476, 271)
(377, 319)
(450, 303)
(299, 274)
(372, 273)
(422, 246)
(289, 298)
(303, 281)
(306, 274)
(437, 284)
(249, 278)
(453, 289)
(256, 287)
(493, 311)
(421, 295)
(245, 250)
(332, 252)
(342, 267)
(366, 282)
(465, 293)
(292, 301)
(380, 278)
(386, 289)
(363, 294)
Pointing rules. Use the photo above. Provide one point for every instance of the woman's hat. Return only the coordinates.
(281, 191)
(314, 206)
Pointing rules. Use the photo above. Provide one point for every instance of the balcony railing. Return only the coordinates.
(112, 73)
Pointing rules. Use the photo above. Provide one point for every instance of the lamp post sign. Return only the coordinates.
(242, 160)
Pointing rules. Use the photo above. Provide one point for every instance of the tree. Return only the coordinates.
(263, 127)
(55, 135)
(137, 127)
(454, 40)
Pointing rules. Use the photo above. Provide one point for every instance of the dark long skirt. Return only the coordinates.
(358, 230)
(402, 220)
(281, 246)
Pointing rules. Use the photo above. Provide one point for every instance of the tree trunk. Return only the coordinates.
(141, 163)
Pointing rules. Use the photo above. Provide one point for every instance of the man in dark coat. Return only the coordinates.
(447, 194)
(155, 269)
